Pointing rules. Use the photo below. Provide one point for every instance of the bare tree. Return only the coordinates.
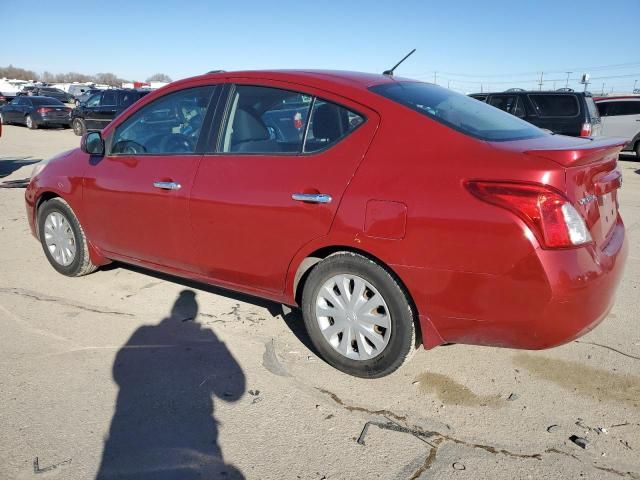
(108, 79)
(19, 73)
(159, 77)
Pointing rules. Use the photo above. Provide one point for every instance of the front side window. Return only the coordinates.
(168, 125)
(457, 111)
(94, 100)
(554, 105)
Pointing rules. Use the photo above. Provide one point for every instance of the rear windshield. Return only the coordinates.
(45, 101)
(462, 113)
(555, 105)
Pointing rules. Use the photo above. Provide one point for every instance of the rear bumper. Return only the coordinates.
(548, 299)
(46, 120)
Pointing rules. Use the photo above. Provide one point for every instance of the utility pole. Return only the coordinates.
(567, 84)
(634, 85)
(435, 78)
(602, 88)
(554, 84)
(541, 75)
(448, 83)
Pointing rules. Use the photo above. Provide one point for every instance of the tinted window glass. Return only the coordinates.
(94, 100)
(108, 98)
(329, 124)
(169, 125)
(621, 108)
(45, 101)
(550, 105)
(128, 98)
(459, 112)
(603, 108)
(519, 110)
(265, 120)
(503, 102)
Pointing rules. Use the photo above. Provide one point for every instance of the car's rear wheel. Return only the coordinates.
(63, 239)
(637, 149)
(31, 124)
(78, 126)
(2, 120)
(357, 315)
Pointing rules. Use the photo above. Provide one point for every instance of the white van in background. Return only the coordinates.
(620, 117)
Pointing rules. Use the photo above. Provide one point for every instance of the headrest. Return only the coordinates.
(328, 122)
(246, 127)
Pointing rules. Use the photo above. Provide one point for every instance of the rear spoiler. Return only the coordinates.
(596, 149)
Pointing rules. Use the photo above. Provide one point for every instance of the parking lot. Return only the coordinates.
(236, 381)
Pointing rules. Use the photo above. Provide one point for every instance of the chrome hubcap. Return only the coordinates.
(29, 122)
(59, 238)
(353, 317)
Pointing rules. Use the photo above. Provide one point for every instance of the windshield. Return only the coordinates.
(462, 113)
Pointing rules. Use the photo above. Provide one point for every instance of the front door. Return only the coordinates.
(283, 161)
(136, 196)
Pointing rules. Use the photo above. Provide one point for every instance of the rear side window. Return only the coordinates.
(128, 98)
(612, 109)
(552, 105)
(503, 102)
(265, 120)
(329, 124)
(108, 98)
(462, 113)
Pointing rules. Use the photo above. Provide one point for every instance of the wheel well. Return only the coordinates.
(307, 265)
(46, 196)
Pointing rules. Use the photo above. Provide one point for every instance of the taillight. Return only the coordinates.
(585, 131)
(44, 110)
(551, 217)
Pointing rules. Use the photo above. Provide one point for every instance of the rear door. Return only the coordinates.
(274, 179)
(106, 111)
(621, 118)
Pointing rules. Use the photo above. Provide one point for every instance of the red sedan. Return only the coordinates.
(392, 212)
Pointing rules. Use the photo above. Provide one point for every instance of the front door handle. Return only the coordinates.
(312, 197)
(167, 185)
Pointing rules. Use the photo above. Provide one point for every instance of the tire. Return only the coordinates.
(637, 150)
(69, 228)
(78, 127)
(31, 124)
(399, 333)
(2, 120)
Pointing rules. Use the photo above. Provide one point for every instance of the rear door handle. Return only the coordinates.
(167, 185)
(312, 197)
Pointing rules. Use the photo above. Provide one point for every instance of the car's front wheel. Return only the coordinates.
(78, 126)
(63, 239)
(357, 315)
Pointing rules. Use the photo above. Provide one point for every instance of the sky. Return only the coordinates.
(466, 45)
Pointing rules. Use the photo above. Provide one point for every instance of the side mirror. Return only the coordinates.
(92, 143)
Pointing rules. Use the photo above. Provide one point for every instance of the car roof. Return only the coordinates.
(543, 92)
(323, 79)
(619, 97)
(34, 97)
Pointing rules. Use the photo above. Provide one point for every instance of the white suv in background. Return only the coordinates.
(620, 117)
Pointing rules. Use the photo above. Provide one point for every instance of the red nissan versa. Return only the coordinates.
(392, 212)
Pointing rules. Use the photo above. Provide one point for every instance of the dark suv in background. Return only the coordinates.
(102, 107)
(566, 113)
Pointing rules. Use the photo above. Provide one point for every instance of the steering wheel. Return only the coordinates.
(129, 147)
(176, 143)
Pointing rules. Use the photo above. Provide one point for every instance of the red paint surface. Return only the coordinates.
(474, 271)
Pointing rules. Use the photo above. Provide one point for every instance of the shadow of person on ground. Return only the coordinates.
(163, 427)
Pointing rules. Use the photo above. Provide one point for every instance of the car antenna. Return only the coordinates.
(390, 72)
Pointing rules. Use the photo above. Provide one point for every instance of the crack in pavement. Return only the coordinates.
(46, 298)
(608, 348)
(441, 438)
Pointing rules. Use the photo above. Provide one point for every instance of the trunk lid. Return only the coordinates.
(591, 178)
